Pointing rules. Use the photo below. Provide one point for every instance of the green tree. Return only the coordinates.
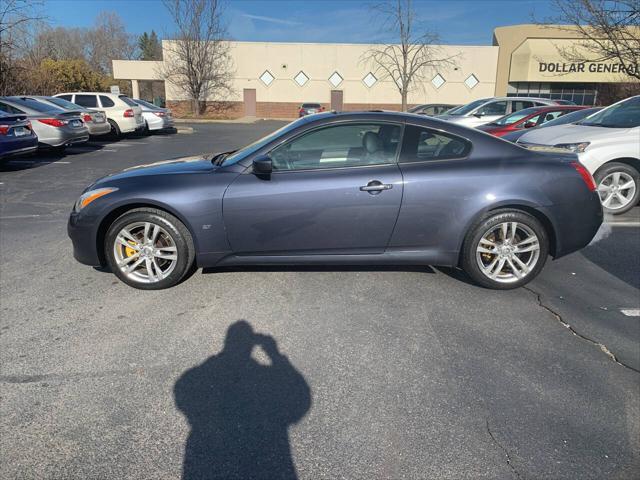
(69, 76)
(149, 46)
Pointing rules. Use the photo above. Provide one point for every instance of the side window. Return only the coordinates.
(89, 101)
(535, 119)
(547, 117)
(430, 110)
(494, 108)
(65, 97)
(422, 144)
(350, 145)
(106, 101)
(517, 105)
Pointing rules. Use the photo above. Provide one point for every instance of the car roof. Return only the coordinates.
(90, 93)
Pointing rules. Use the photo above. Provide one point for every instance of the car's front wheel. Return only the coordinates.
(618, 187)
(149, 249)
(504, 250)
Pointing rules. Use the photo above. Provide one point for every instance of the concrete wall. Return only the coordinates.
(284, 61)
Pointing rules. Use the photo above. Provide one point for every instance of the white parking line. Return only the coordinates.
(631, 312)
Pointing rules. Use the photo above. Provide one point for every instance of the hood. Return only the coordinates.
(176, 166)
(570, 133)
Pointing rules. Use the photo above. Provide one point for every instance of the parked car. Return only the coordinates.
(432, 109)
(608, 144)
(123, 114)
(16, 135)
(488, 110)
(155, 118)
(343, 188)
(565, 119)
(55, 127)
(95, 120)
(309, 108)
(527, 118)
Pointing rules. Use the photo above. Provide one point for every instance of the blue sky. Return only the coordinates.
(462, 22)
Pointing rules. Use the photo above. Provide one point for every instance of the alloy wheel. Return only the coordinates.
(145, 252)
(508, 252)
(616, 190)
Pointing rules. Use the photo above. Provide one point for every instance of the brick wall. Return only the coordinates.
(232, 110)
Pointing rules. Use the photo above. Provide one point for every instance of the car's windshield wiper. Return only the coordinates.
(221, 157)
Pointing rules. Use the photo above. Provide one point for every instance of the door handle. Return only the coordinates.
(374, 187)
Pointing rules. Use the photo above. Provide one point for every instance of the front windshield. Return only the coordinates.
(258, 144)
(571, 117)
(625, 114)
(514, 117)
(463, 110)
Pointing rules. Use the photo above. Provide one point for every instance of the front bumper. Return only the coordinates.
(82, 232)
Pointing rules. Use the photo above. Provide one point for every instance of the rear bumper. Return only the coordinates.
(18, 146)
(99, 128)
(83, 237)
(575, 225)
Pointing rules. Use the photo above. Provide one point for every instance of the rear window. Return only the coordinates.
(61, 102)
(66, 97)
(310, 105)
(423, 144)
(128, 101)
(36, 105)
(106, 101)
(90, 101)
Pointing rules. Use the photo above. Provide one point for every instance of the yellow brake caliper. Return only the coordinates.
(128, 250)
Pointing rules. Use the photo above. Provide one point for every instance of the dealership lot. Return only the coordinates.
(412, 372)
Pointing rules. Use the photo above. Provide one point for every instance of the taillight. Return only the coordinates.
(301, 110)
(86, 117)
(4, 129)
(586, 176)
(129, 113)
(159, 114)
(29, 126)
(54, 122)
(322, 109)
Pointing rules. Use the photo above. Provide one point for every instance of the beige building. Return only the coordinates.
(271, 80)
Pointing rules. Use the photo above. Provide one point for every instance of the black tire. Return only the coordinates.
(172, 226)
(470, 262)
(115, 129)
(613, 167)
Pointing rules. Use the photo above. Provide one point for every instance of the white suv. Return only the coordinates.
(124, 115)
(487, 110)
(608, 144)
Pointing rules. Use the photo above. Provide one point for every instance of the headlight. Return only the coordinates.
(87, 197)
(573, 147)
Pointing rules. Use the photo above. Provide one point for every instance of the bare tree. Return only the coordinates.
(197, 59)
(610, 29)
(416, 53)
(17, 18)
(109, 40)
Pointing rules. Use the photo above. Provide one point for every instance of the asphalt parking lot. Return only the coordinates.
(358, 372)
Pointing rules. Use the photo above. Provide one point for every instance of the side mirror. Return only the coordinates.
(529, 125)
(262, 165)
(478, 115)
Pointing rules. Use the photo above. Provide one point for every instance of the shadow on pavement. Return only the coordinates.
(240, 409)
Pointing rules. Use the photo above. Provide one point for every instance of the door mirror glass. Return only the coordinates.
(529, 125)
(262, 165)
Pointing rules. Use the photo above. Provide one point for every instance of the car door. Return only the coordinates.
(333, 190)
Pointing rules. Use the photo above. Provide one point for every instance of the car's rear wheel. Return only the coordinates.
(115, 129)
(149, 249)
(618, 187)
(504, 250)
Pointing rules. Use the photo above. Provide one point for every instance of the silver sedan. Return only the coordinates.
(54, 126)
(95, 120)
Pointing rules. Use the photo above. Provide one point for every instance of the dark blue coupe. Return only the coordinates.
(16, 135)
(367, 188)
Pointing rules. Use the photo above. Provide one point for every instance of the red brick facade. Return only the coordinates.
(233, 110)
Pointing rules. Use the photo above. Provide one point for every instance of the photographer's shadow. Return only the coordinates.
(240, 410)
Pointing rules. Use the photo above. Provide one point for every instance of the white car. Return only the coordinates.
(608, 144)
(123, 114)
(487, 110)
(155, 118)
